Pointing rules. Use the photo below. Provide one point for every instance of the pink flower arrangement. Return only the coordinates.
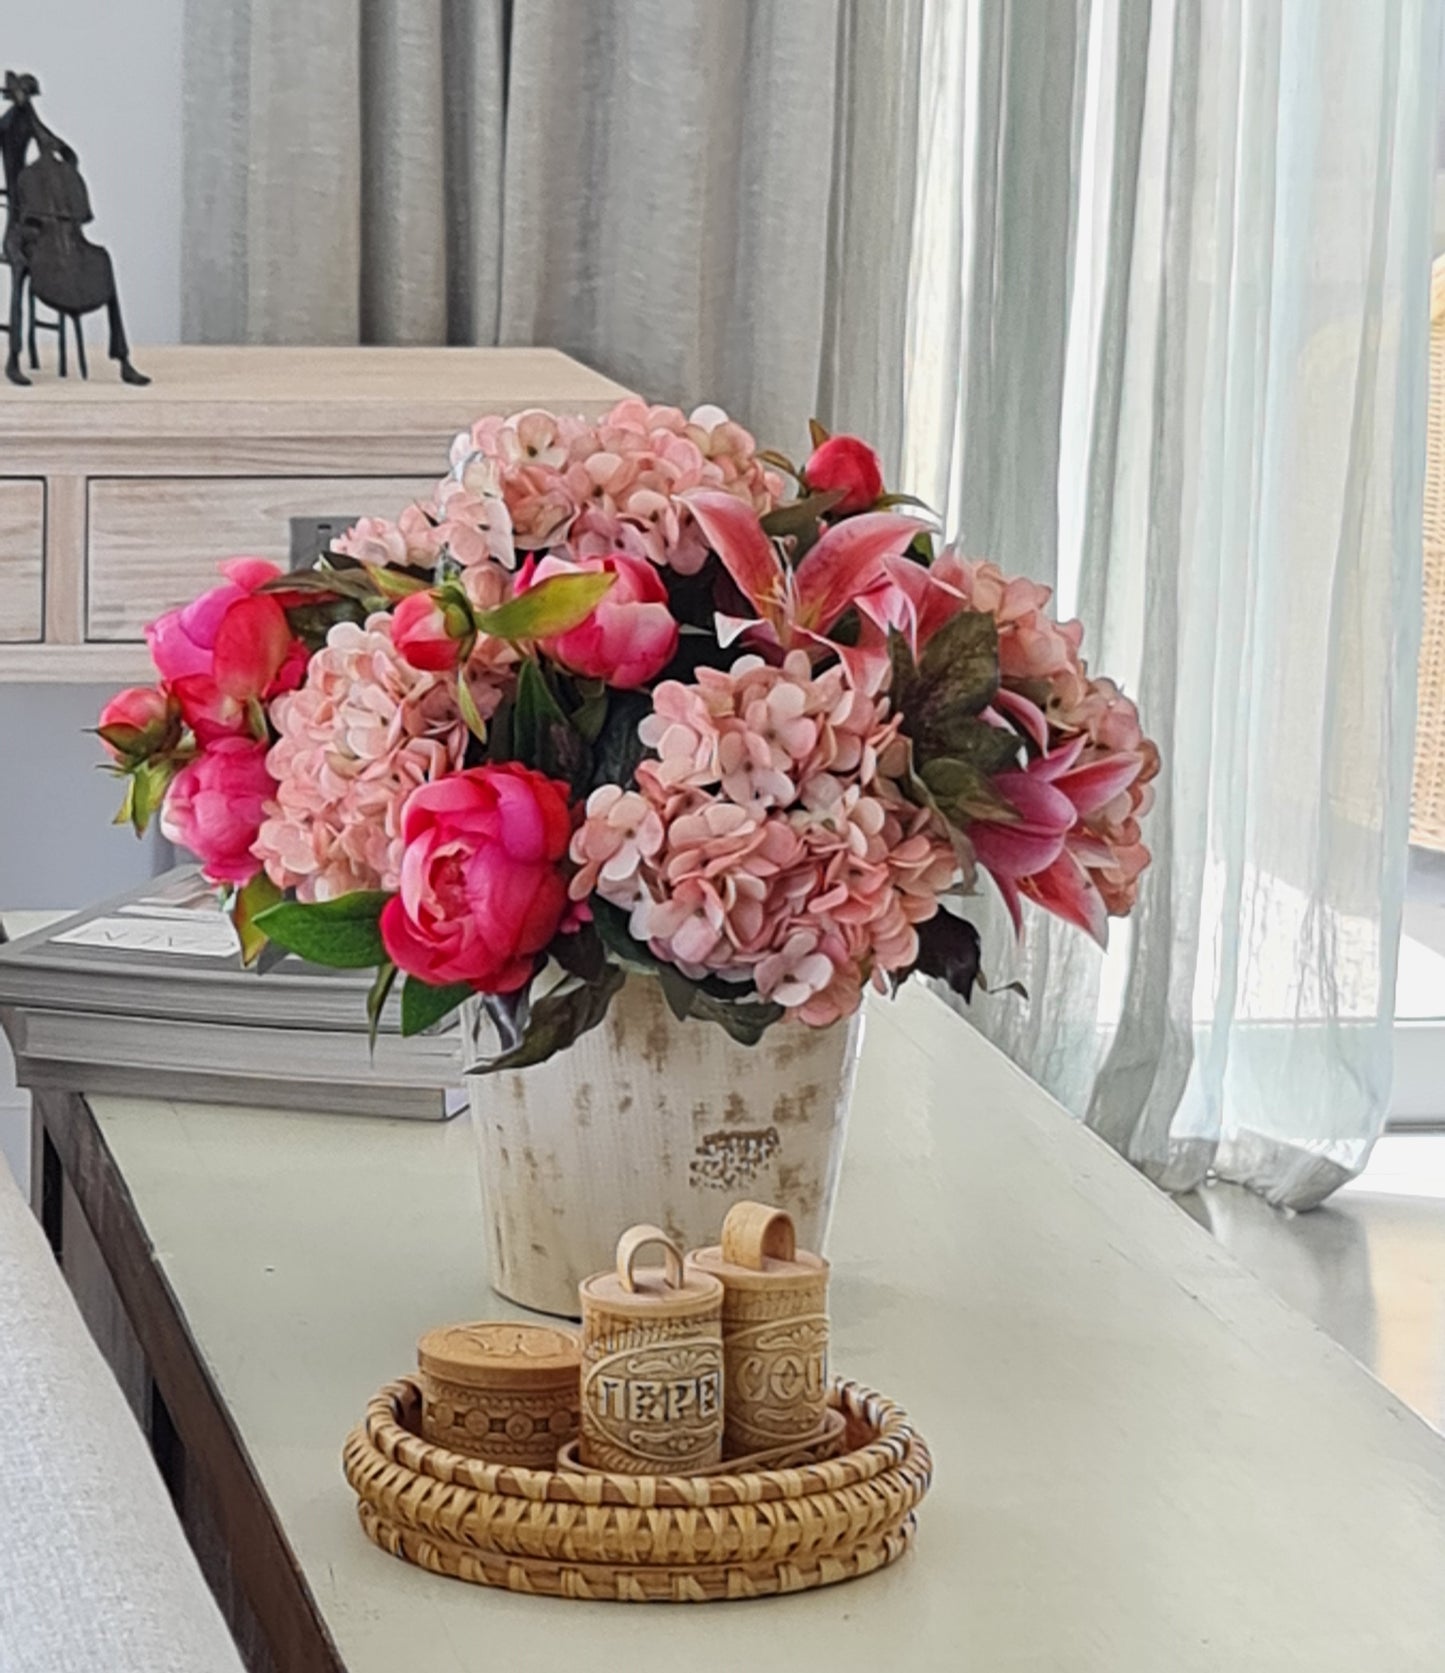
(610, 703)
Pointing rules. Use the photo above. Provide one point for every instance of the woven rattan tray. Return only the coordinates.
(678, 1539)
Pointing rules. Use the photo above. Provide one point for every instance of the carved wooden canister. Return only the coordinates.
(509, 1393)
(775, 1330)
(652, 1363)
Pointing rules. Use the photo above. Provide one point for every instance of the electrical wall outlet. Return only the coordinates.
(311, 536)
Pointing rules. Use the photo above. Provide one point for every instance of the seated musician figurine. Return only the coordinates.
(46, 206)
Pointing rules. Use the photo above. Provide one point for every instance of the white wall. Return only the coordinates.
(110, 80)
(110, 83)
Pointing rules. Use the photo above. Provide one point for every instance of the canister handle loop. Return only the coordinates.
(631, 1244)
(753, 1233)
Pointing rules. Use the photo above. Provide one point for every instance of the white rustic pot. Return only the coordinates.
(647, 1118)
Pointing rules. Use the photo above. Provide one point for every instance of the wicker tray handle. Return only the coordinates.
(753, 1234)
(631, 1244)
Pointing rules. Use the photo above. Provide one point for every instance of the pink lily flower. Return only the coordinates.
(796, 607)
(1048, 852)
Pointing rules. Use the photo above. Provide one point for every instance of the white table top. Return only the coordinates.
(1145, 1462)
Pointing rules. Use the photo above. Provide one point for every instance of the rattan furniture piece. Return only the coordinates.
(1427, 807)
(1142, 1459)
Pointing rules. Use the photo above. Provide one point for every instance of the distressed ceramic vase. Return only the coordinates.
(647, 1118)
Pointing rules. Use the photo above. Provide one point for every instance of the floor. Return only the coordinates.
(1368, 1267)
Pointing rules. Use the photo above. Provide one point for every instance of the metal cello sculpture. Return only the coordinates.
(46, 207)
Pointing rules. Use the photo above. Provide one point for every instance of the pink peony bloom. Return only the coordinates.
(214, 807)
(629, 638)
(482, 889)
(137, 722)
(770, 841)
(847, 465)
(431, 632)
(228, 650)
(364, 731)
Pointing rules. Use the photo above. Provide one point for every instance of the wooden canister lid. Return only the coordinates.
(502, 1353)
(759, 1251)
(670, 1291)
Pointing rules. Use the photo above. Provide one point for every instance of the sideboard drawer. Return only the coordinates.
(22, 559)
(154, 542)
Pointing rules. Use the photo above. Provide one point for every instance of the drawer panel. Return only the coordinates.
(22, 560)
(154, 542)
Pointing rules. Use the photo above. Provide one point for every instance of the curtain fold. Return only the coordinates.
(1242, 405)
(705, 201)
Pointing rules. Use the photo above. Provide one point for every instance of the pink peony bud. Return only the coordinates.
(431, 631)
(630, 637)
(845, 464)
(214, 807)
(138, 722)
(482, 884)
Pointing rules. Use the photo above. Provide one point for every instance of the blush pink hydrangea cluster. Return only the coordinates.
(614, 484)
(769, 841)
(353, 743)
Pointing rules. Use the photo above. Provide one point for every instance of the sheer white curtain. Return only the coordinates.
(1220, 444)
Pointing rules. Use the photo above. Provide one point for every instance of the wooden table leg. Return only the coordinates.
(227, 1518)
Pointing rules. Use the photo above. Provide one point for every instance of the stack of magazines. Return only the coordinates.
(147, 995)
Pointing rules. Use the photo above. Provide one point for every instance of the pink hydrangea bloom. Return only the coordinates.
(770, 841)
(357, 738)
(616, 484)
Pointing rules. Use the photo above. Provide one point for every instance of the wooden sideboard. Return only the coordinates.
(116, 503)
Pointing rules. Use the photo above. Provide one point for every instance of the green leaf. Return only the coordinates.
(555, 1021)
(610, 922)
(948, 948)
(395, 584)
(618, 749)
(376, 998)
(535, 713)
(680, 993)
(259, 895)
(423, 1005)
(150, 781)
(344, 934)
(582, 954)
(779, 462)
(470, 713)
(963, 792)
(325, 580)
(125, 814)
(941, 695)
(799, 517)
(746, 1020)
(886, 502)
(590, 715)
(552, 606)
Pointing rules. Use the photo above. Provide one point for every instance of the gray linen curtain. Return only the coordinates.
(708, 201)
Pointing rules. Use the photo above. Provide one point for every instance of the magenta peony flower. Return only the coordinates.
(846, 465)
(214, 806)
(227, 650)
(364, 731)
(629, 638)
(482, 887)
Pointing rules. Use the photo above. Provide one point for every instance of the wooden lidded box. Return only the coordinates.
(504, 1391)
(774, 1328)
(652, 1364)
